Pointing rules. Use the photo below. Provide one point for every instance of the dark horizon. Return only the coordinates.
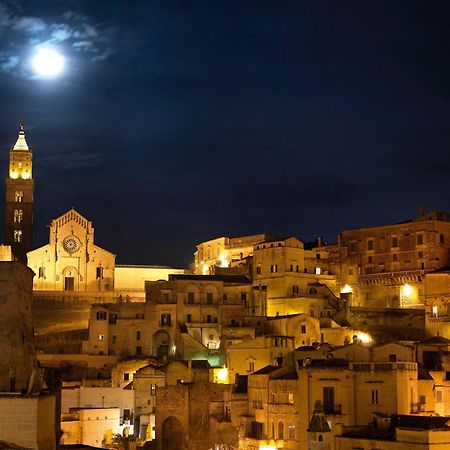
(175, 124)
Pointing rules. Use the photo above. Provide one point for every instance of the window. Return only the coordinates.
(423, 399)
(280, 430)
(303, 329)
(188, 318)
(317, 270)
(101, 337)
(273, 268)
(317, 255)
(243, 298)
(441, 239)
(126, 376)
(114, 339)
(394, 257)
(291, 430)
(370, 244)
(41, 272)
(328, 400)
(138, 335)
(419, 239)
(352, 247)
(290, 398)
(138, 350)
(374, 396)
(166, 297)
(165, 320)
(394, 242)
(113, 319)
(101, 315)
(392, 357)
(209, 298)
(370, 259)
(18, 216)
(295, 289)
(99, 273)
(438, 396)
(139, 315)
(190, 297)
(153, 389)
(434, 311)
(420, 254)
(19, 196)
(258, 270)
(17, 235)
(251, 367)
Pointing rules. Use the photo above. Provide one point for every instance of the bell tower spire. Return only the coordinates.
(18, 220)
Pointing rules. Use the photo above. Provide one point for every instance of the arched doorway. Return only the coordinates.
(71, 279)
(161, 343)
(172, 434)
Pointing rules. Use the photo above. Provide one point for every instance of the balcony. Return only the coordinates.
(417, 408)
(333, 410)
(382, 366)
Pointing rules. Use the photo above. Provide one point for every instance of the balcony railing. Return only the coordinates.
(368, 366)
(335, 410)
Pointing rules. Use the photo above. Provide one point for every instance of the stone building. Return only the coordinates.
(385, 266)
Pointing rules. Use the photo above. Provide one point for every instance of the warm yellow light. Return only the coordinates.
(268, 447)
(14, 175)
(47, 62)
(174, 348)
(25, 175)
(407, 290)
(222, 374)
(347, 289)
(364, 338)
(223, 260)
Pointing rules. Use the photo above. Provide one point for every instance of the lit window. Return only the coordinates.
(291, 398)
(17, 235)
(153, 389)
(291, 430)
(317, 271)
(101, 337)
(435, 311)
(18, 216)
(99, 273)
(273, 268)
(19, 196)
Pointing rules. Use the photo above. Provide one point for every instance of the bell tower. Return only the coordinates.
(18, 220)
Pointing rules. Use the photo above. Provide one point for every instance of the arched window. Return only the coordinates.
(18, 215)
(19, 196)
(320, 438)
(280, 430)
(99, 273)
(17, 235)
(292, 430)
(41, 272)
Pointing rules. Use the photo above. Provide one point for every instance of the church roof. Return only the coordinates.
(21, 143)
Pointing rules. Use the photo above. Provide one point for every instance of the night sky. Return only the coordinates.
(178, 122)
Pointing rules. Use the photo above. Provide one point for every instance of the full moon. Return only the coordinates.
(48, 62)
